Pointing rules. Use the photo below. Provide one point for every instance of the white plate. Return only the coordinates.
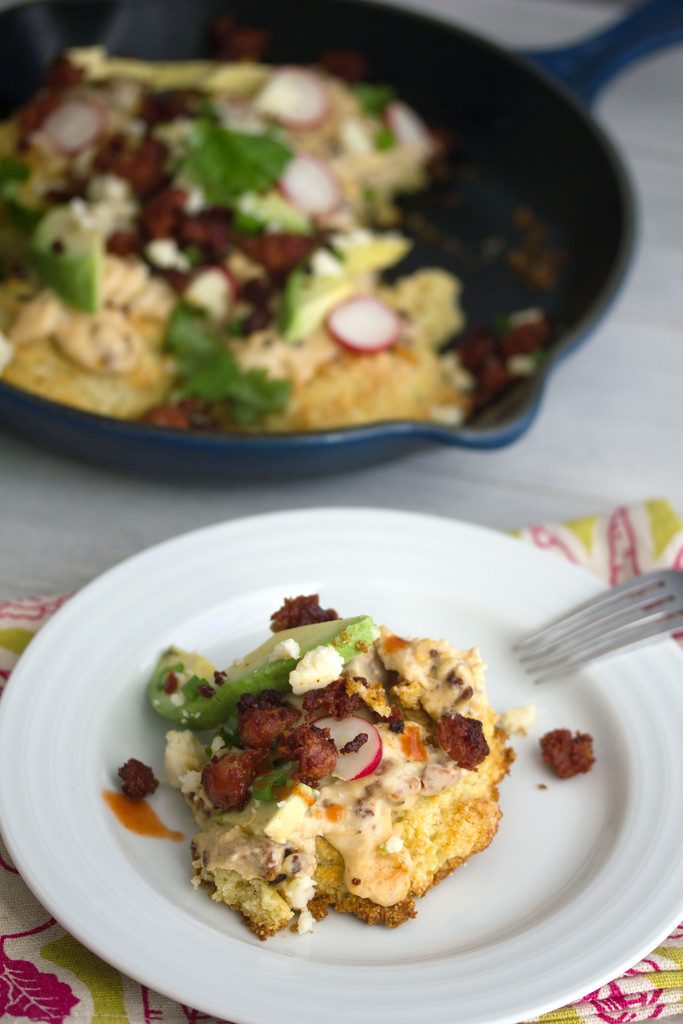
(583, 878)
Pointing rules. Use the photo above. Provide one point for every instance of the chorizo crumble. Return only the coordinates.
(311, 791)
(567, 755)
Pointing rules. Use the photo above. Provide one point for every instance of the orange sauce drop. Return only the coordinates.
(282, 792)
(395, 643)
(137, 816)
(335, 812)
(412, 745)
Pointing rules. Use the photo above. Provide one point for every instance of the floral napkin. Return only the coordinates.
(47, 976)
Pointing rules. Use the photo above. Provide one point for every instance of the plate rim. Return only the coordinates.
(408, 519)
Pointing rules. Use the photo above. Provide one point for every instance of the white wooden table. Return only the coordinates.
(611, 429)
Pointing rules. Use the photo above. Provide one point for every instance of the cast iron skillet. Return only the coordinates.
(528, 139)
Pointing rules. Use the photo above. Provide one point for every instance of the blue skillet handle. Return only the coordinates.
(586, 66)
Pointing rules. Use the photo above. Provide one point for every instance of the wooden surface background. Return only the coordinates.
(610, 431)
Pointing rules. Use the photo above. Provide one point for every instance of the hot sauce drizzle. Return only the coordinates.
(138, 816)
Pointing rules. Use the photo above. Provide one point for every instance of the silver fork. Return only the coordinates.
(628, 615)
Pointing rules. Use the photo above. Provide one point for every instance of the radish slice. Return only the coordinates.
(408, 126)
(361, 762)
(310, 185)
(364, 324)
(295, 96)
(74, 125)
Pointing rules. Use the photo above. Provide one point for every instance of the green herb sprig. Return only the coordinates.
(210, 373)
(225, 164)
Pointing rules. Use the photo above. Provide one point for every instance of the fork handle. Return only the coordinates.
(586, 66)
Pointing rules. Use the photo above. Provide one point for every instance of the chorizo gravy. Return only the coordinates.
(336, 766)
(200, 244)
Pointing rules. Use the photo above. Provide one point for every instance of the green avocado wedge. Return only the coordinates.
(69, 259)
(192, 706)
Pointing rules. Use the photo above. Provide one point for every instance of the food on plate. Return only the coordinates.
(567, 755)
(201, 244)
(345, 767)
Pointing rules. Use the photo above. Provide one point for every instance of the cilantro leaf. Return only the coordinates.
(252, 393)
(13, 170)
(385, 138)
(13, 173)
(502, 322)
(225, 163)
(373, 98)
(190, 689)
(210, 373)
(246, 223)
(190, 337)
(263, 787)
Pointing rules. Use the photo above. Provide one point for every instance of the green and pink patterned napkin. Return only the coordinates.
(47, 976)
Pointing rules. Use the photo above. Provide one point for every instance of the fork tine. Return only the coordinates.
(618, 640)
(609, 601)
(640, 610)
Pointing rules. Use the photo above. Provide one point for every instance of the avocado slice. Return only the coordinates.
(307, 301)
(271, 210)
(270, 819)
(69, 258)
(377, 252)
(234, 80)
(250, 674)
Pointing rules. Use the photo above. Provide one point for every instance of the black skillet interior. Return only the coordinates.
(524, 142)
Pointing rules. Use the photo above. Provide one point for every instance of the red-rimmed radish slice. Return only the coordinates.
(74, 125)
(295, 96)
(214, 289)
(310, 184)
(361, 762)
(407, 125)
(364, 323)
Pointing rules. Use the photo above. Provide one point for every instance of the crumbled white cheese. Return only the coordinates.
(525, 316)
(82, 214)
(195, 200)
(298, 891)
(305, 922)
(394, 844)
(459, 377)
(354, 137)
(280, 96)
(518, 720)
(324, 264)
(317, 668)
(177, 699)
(104, 215)
(136, 127)
(184, 753)
(174, 133)
(521, 365)
(448, 415)
(190, 783)
(210, 290)
(217, 743)
(6, 351)
(288, 648)
(164, 253)
(281, 803)
(108, 188)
